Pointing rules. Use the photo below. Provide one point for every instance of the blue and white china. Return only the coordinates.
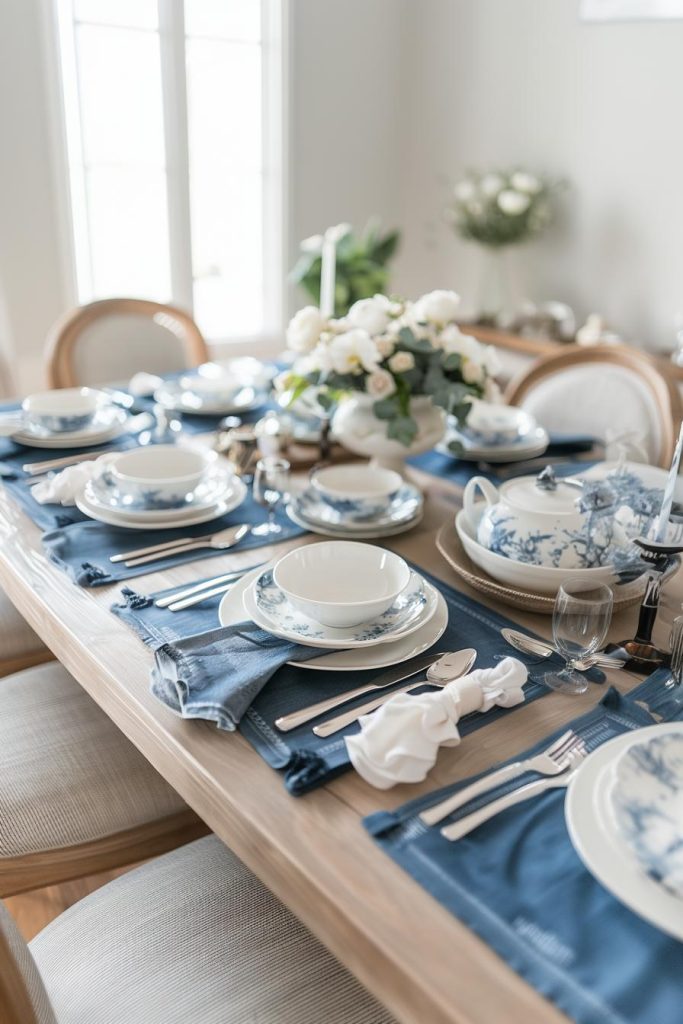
(266, 604)
(599, 842)
(647, 802)
(357, 491)
(370, 531)
(216, 486)
(63, 410)
(109, 423)
(403, 507)
(165, 519)
(160, 476)
(494, 425)
(341, 583)
(240, 599)
(196, 396)
(528, 446)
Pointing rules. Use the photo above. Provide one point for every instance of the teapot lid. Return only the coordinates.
(523, 494)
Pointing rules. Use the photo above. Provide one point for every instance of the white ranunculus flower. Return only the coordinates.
(438, 307)
(491, 184)
(513, 203)
(464, 190)
(380, 384)
(472, 373)
(385, 346)
(525, 182)
(305, 328)
(370, 314)
(353, 352)
(400, 362)
(313, 243)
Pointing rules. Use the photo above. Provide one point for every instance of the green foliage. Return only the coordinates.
(479, 214)
(361, 267)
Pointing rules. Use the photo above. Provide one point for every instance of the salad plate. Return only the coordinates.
(161, 520)
(358, 659)
(107, 424)
(527, 446)
(368, 532)
(596, 839)
(270, 609)
(312, 506)
(175, 394)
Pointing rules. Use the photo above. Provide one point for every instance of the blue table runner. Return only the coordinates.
(306, 760)
(518, 883)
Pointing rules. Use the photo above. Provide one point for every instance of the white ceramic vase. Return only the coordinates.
(357, 428)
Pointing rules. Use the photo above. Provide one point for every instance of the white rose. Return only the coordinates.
(438, 307)
(305, 328)
(380, 384)
(464, 190)
(451, 341)
(385, 346)
(472, 373)
(525, 182)
(491, 184)
(400, 362)
(353, 352)
(370, 314)
(513, 203)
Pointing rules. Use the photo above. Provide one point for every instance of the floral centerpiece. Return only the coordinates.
(405, 364)
(498, 209)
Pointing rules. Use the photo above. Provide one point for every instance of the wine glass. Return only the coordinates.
(581, 618)
(271, 487)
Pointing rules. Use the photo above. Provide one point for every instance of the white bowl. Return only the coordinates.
(341, 583)
(542, 579)
(65, 409)
(161, 475)
(358, 490)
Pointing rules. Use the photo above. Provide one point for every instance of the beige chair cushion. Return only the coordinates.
(117, 346)
(26, 966)
(193, 938)
(17, 639)
(67, 774)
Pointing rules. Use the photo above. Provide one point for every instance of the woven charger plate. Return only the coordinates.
(450, 546)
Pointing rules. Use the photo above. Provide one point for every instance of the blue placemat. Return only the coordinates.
(306, 760)
(518, 883)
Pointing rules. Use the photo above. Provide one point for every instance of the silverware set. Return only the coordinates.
(199, 592)
(221, 541)
(543, 649)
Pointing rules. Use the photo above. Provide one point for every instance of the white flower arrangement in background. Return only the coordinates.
(392, 351)
(501, 208)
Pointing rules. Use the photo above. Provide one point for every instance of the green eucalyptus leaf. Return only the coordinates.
(402, 429)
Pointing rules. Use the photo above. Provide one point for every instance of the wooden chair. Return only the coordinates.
(595, 391)
(76, 797)
(192, 936)
(112, 339)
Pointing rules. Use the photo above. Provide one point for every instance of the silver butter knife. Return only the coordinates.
(394, 675)
(196, 588)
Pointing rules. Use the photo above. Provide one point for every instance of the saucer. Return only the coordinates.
(526, 447)
(368, 532)
(173, 395)
(108, 424)
(357, 659)
(217, 486)
(270, 609)
(311, 505)
(165, 520)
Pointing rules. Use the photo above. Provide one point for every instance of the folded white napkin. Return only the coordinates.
(63, 488)
(399, 742)
(142, 384)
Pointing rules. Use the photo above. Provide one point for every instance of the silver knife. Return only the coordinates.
(411, 668)
(215, 581)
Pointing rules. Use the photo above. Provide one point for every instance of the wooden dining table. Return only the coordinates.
(312, 851)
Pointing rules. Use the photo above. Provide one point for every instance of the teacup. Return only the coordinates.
(490, 424)
(357, 490)
(65, 409)
(161, 475)
(341, 583)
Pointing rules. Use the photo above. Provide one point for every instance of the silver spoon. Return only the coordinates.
(440, 674)
(220, 541)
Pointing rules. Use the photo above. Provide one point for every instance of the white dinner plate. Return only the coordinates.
(592, 831)
(527, 447)
(173, 395)
(147, 520)
(110, 423)
(341, 534)
(289, 624)
(231, 610)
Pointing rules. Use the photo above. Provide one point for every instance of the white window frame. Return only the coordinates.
(275, 16)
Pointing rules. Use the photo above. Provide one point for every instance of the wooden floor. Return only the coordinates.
(33, 910)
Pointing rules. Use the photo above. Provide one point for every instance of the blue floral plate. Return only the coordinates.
(401, 509)
(270, 609)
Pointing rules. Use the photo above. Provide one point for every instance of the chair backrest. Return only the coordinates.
(605, 391)
(112, 339)
(23, 999)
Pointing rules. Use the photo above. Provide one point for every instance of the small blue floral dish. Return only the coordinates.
(63, 410)
(647, 802)
(403, 507)
(492, 425)
(357, 491)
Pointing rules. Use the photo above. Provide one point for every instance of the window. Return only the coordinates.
(172, 114)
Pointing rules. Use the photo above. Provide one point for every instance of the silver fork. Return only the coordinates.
(471, 821)
(551, 761)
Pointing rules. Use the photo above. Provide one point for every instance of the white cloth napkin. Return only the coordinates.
(63, 488)
(142, 384)
(400, 741)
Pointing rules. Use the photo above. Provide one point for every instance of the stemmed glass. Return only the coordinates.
(581, 618)
(271, 487)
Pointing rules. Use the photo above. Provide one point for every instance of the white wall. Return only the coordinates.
(499, 83)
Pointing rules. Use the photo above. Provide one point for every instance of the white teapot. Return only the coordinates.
(525, 523)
